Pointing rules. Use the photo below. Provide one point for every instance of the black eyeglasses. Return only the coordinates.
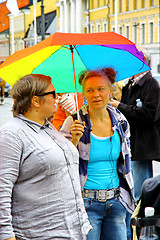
(47, 93)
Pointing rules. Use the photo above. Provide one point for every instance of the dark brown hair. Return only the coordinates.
(108, 73)
(27, 87)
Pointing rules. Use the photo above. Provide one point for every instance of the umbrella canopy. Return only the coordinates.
(64, 55)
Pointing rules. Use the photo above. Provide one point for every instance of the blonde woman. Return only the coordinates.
(102, 139)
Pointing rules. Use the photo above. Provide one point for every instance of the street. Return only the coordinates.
(5, 111)
(6, 115)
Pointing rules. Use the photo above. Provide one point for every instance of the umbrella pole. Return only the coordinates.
(71, 48)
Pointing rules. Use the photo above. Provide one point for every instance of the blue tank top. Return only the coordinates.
(102, 166)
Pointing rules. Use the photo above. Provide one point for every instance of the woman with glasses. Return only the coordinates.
(102, 138)
(40, 196)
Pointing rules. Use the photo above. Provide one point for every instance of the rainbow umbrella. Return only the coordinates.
(64, 55)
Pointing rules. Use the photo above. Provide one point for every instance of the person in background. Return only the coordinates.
(117, 90)
(117, 94)
(36, 162)
(66, 105)
(102, 139)
(2, 88)
(140, 103)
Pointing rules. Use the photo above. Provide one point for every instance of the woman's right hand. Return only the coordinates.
(77, 130)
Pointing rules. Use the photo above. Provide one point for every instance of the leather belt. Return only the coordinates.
(101, 195)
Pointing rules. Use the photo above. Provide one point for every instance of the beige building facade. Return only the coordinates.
(23, 21)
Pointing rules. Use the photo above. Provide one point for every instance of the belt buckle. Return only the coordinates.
(102, 196)
(110, 194)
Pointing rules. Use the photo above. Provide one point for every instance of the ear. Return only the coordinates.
(35, 101)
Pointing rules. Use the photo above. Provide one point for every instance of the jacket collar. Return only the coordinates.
(111, 110)
(143, 79)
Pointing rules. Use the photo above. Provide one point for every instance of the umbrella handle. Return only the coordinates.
(74, 76)
(78, 117)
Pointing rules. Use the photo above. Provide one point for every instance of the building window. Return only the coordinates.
(92, 28)
(127, 5)
(127, 32)
(120, 30)
(92, 3)
(151, 2)
(151, 32)
(98, 27)
(135, 4)
(113, 7)
(120, 6)
(135, 33)
(98, 3)
(142, 33)
(143, 3)
(104, 27)
(85, 5)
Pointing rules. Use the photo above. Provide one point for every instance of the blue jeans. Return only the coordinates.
(107, 219)
(141, 170)
(128, 225)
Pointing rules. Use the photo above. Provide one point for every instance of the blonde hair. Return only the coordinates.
(117, 90)
(119, 84)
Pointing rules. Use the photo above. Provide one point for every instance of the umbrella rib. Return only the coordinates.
(79, 55)
(65, 46)
(50, 56)
(110, 47)
(76, 46)
(126, 51)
